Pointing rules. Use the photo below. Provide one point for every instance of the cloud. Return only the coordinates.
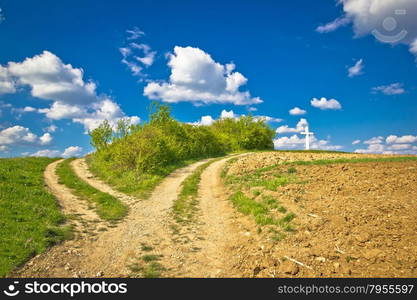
(197, 78)
(413, 47)
(45, 139)
(356, 69)
(295, 141)
(324, 104)
(267, 119)
(299, 128)
(333, 25)
(72, 151)
(204, 121)
(3, 148)
(392, 144)
(134, 33)
(60, 111)
(208, 120)
(104, 110)
(7, 85)
(400, 147)
(19, 135)
(372, 148)
(137, 56)
(29, 109)
(390, 21)
(374, 140)
(393, 139)
(47, 153)
(227, 114)
(51, 128)
(72, 97)
(296, 111)
(51, 79)
(355, 142)
(392, 89)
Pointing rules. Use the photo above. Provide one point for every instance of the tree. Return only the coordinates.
(101, 136)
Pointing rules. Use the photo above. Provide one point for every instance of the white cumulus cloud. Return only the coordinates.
(197, 78)
(296, 111)
(296, 142)
(391, 144)
(72, 97)
(47, 153)
(374, 140)
(393, 139)
(72, 151)
(390, 21)
(45, 139)
(19, 135)
(51, 79)
(208, 120)
(324, 104)
(299, 127)
(7, 85)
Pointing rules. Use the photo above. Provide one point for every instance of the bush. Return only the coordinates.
(144, 151)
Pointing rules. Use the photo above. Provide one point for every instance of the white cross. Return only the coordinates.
(307, 134)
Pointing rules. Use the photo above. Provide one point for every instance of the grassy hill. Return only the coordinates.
(30, 217)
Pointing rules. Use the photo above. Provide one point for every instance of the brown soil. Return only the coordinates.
(353, 220)
(264, 159)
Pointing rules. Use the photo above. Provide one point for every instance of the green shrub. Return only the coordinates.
(135, 158)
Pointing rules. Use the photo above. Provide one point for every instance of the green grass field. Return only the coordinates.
(107, 207)
(30, 218)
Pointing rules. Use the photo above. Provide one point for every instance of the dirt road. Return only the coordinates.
(110, 250)
(207, 248)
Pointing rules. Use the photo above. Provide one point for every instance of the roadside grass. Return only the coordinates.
(185, 205)
(262, 210)
(30, 218)
(227, 167)
(132, 183)
(153, 270)
(250, 198)
(108, 207)
(150, 257)
(260, 178)
(149, 268)
(146, 248)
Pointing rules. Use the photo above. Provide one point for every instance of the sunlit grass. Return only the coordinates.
(30, 218)
(108, 207)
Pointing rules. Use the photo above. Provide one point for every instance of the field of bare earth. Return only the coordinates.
(325, 216)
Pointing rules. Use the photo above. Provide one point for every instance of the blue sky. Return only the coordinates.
(67, 65)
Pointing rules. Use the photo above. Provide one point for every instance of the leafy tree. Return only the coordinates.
(101, 136)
